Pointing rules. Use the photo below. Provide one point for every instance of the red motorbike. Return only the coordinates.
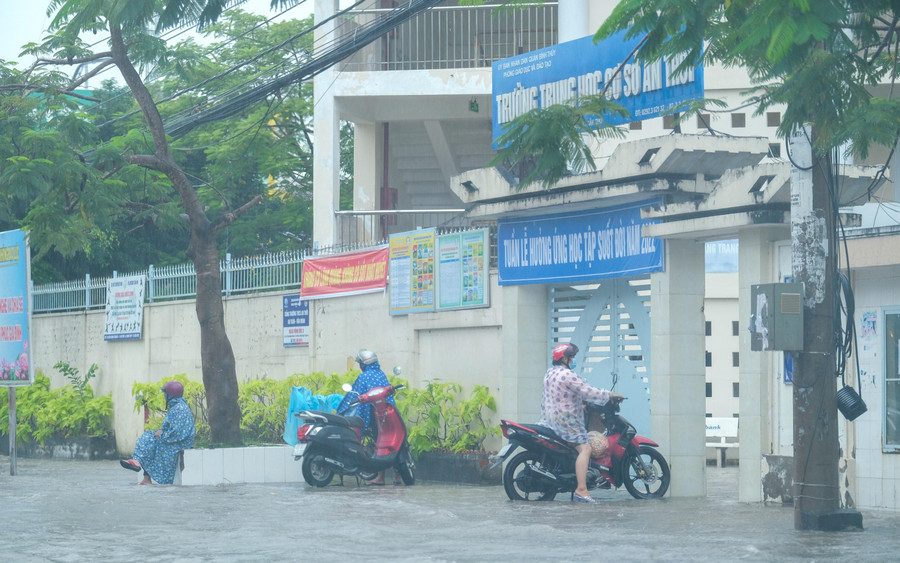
(547, 466)
(331, 444)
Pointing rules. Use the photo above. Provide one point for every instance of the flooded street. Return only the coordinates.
(56, 510)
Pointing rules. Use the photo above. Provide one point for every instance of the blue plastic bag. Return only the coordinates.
(302, 399)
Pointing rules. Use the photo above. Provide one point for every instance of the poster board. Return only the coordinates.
(124, 308)
(16, 367)
(462, 270)
(295, 320)
(412, 267)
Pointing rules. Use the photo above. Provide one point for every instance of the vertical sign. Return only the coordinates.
(124, 308)
(412, 257)
(462, 262)
(15, 310)
(295, 314)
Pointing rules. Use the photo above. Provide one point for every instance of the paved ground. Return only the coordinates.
(56, 510)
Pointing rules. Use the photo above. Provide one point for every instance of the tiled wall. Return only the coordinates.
(263, 464)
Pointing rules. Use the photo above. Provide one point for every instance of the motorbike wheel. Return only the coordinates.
(514, 477)
(647, 476)
(405, 468)
(316, 471)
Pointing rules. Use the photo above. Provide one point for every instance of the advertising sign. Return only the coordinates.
(412, 272)
(15, 310)
(295, 315)
(582, 245)
(578, 68)
(462, 267)
(124, 308)
(345, 274)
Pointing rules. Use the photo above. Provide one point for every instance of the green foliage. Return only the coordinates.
(437, 418)
(70, 411)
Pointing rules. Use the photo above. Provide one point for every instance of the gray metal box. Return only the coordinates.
(776, 316)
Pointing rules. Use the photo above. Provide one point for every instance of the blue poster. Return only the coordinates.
(15, 358)
(295, 316)
(577, 68)
(578, 246)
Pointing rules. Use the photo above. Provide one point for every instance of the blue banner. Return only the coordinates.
(556, 74)
(295, 320)
(16, 367)
(577, 246)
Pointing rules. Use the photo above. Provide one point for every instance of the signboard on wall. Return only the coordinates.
(579, 68)
(462, 267)
(345, 274)
(412, 257)
(577, 246)
(16, 367)
(124, 308)
(295, 317)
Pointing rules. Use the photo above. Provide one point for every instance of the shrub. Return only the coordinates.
(68, 411)
(437, 418)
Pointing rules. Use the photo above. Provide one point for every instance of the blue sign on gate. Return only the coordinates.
(582, 245)
(578, 68)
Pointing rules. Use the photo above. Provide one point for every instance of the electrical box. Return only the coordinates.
(776, 316)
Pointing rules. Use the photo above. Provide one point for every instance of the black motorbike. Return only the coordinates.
(547, 466)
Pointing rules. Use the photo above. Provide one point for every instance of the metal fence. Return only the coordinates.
(269, 272)
(455, 37)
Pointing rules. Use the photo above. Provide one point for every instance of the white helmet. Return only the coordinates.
(366, 357)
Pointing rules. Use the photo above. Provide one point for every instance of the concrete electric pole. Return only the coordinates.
(817, 500)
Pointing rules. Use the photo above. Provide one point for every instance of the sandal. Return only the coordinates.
(130, 464)
(579, 498)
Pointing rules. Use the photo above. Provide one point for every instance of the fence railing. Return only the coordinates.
(454, 37)
(268, 272)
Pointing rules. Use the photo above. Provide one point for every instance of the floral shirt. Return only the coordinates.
(562, 408)
(159, 456)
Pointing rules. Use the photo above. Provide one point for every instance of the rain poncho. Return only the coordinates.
(370, 378)
(302, 399)
(159, 456)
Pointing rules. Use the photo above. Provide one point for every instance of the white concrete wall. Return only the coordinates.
(877, 474)
(456, 346)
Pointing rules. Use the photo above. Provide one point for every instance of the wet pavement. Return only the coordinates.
(59, 510)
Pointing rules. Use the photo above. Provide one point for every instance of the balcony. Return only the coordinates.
(452, 37)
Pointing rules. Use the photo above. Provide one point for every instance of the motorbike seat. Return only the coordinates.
(351, 421)
(542, 430)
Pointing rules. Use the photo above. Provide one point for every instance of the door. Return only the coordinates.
(610, 323)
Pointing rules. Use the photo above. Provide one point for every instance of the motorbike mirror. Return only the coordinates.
(347, 387)
(398, 370)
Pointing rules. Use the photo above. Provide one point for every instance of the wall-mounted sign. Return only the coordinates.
(124, 308)
(16, 367)
(577, 246)
(462, 267)
(578, 68)
(345, 274)
(412, 272)
(295, 317)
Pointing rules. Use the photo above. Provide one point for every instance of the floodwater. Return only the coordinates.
(60, 510)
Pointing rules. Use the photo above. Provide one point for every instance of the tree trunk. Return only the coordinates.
(217, 356)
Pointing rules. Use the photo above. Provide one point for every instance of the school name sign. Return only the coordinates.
(558, 74)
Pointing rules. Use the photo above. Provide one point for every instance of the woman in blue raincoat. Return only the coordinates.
(156, 452)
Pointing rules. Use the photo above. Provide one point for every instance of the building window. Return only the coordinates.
(735, 389)
(891, 415)
(708, 389)
(708, 328)
(709, 359)
(775, 150)
(669, 121)
(735, 328)
(773, 119)
(736, 360)
(709, 415)
(636, 125)
(738, 120)
(703, 121)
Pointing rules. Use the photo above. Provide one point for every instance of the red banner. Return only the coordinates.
(345, 274)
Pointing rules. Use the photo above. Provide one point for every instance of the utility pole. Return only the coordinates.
(817, 499)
